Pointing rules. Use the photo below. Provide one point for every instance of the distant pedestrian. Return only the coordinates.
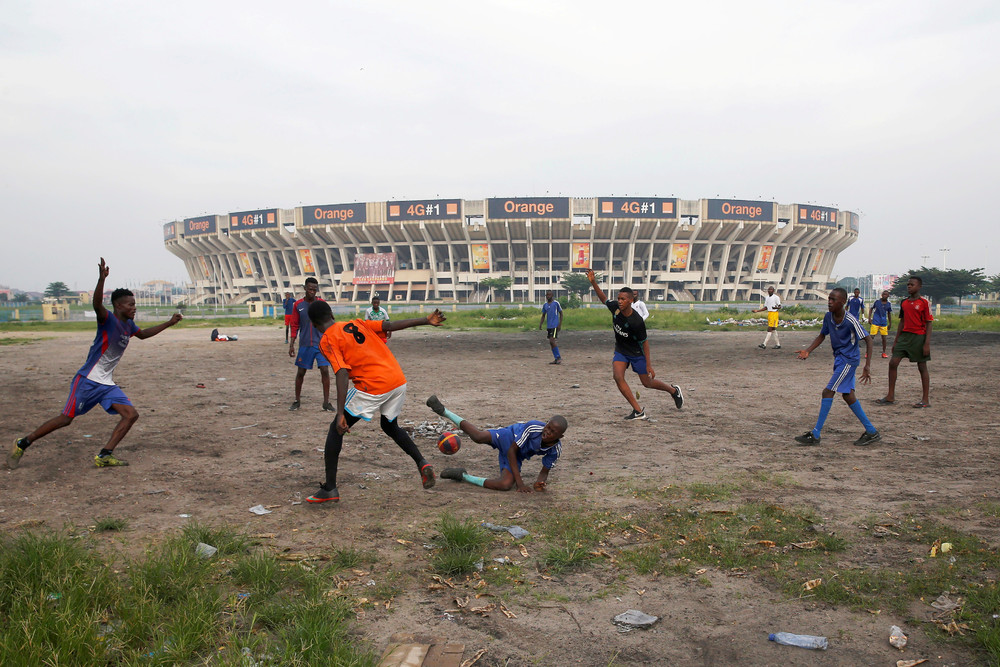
(772, 304)
(376, 312)
(880, 317)
(552, 317)
(856, 306)
(288, 304)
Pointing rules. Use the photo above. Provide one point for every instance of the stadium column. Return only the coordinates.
(530, 293)
(630, 253)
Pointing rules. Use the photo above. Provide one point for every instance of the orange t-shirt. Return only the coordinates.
(355, 345)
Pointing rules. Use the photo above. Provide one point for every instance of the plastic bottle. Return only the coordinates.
(804, 641)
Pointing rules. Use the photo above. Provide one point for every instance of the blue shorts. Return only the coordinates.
(842, 380)
(638, 364)
(307, 355)
(85, 394)
(502, 439)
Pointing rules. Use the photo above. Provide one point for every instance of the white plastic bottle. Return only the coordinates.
(804, 641)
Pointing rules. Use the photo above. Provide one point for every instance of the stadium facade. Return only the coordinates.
(440, 249)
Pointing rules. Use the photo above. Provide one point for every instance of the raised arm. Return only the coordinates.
(597, 288)
(143, 334)
(435, 319)
(102, 273)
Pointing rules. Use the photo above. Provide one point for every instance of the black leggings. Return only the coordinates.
(335, 442)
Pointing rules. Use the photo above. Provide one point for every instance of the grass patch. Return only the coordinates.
(712, 490)
(572, 538)
(110, 525)
(462, 545)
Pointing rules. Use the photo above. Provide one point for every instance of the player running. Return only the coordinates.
(772, 304)
(94, 383)
(308, 346)
(552, 317)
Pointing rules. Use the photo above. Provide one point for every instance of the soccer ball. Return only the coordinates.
(449, 443)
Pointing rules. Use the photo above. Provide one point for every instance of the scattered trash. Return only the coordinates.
(275, 436)
(633, 618)
(220, 379)
(896, 637)
(945, 547)
(88, 436)
(431, 429)
(448, 617)
(205, 550)
(802, 641)
(910, 663)
(155, 492)
(503, 561)
(237, 428)
(812, 583)
(53, 597)
(184, 516)
(516, 531)
(944, 603)
(921, 438)
(260, 510)
(479, 565)
(200, 385)
(574, 386)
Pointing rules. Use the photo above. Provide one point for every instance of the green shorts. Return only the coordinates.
(910, 345)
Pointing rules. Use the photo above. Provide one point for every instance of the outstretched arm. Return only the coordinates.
(543, 475)
(804, 354)
(143, 334)
(597, 288)
(512, 460)
(102, 273)
(435, 319)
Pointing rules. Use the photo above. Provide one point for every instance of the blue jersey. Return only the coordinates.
(880, 313)
(855, 306)
(844, 338)
(288, 303)
(528, 438)
(301, 325)
(552, 312)
(107, 349)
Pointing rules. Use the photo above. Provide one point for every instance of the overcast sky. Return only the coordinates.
(116, 117)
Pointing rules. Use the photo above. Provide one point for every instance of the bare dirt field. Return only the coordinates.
(214, 452)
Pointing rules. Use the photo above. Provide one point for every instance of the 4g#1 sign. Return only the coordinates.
(636, 207)
(429, 209)
(817, 215)
(244, 220)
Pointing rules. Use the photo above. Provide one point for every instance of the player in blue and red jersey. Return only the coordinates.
(93, 383)
(288, 304)
(309, 351)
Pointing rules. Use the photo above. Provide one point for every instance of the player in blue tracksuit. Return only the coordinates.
(302, 328)
(514, 444)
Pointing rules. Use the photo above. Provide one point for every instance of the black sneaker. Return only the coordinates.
(453, 473)
(678, 397)
(295, 405)
(807, 439)
(762, 346)
(328, 406)
(555, 362)
(777, 347)
(867, 439)
(434, 404)
(641, 414)
(324, 496)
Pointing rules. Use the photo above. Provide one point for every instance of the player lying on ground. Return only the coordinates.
(356, 352)
(94, 383)
(514, 445)
(846, 334)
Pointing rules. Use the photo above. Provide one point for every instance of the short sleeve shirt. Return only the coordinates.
(855, 305)
(288, 303)
(916, 313)
(107, 349)
(844, 338)
(377, 315)
(630, 332)
(355, 345)
(551, 312)
(880, 313)
(528, 438)
(772, 302)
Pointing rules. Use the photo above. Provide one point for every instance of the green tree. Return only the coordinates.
(578, 283)
(498, 285)
(21, 297)
(939, 284)
(57, 289)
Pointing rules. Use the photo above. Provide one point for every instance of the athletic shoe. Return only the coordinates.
(678, 397)
(328, 406)
(807, 438)
(777, 347)
(555, 362)
(762, 346)
(434, 404)
(885, 356)
(295, 405)
(427, 475)
(867, 439)
(453, 473)
(324, 496)
(641, 414)
(16, 452)
(108, 461)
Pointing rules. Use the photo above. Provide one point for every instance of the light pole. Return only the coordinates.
(925, 258)
(944, 258)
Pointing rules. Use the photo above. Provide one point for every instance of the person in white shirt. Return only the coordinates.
(772, 304)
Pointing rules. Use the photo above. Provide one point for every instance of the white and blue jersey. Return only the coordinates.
(880, 313)
(527, 437)
(107, 349)
(855, 306)
(551, 312)
(844, 339)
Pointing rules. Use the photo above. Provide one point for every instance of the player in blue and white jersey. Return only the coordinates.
(514, 444)
(302, 328)
(846, 334)
(552, 317)
(94, 383)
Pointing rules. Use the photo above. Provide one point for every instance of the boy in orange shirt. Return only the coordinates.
(355, 351)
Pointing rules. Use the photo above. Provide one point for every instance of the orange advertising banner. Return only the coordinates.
(245, 263)
(581, 255)
(480, 256)
(306, 260)
(204, 266)
(679, 256)
(764, 263)
(819, 258)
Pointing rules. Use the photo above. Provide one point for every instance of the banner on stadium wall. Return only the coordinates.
(817, 215)
(169, 231)
(306, 260)
(375, 268)
(740, 209)
(819, 257)
(202, 225)
(333, 213)
(245, 263)
(244, 220)
(480, 256)
(204, 267)
(521, 208)
(581, 255)
(679, 256)
(645, 207)
(764, 263)
(855, 222)
(428, 209)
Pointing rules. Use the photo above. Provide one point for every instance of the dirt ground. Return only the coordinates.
(214, 452)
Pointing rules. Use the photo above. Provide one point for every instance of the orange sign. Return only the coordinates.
(765, 257)
(819, 258)
(679, 256)
(480, 256)
(581, 255)
(204, 266)
(306, 260)
(245, 262)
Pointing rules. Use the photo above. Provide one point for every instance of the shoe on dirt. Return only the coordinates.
(885, 356)
(777, 347)
(434, 404)
(762, 346)
(108, 461)
(328, 406)
(16, 452)
(867, 439)
(324, 496)
(295, 405)
(427, 475)
(453, 473)
(641, 414)
(807, 439)
(678, 396)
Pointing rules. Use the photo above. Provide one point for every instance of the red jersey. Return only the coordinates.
(916, 313)
(355, 345)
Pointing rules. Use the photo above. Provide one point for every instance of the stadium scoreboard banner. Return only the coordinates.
(740, 209)
(202, 225)
(375, 268)
(522, 208)
(244, 220)
(817, 215)
(333, 213)
(170, 231)
(855, 221)
(637, 207)
(427, 209)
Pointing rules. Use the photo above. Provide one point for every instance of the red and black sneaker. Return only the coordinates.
(427, 475)
(324, 496)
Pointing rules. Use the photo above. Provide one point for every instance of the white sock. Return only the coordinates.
(767, 338)
(775, 335)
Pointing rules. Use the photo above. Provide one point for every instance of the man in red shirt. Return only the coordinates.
(913, 340)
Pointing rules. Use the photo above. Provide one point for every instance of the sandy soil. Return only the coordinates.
(212, 453)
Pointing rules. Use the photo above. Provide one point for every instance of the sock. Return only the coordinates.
(104, 452)
(767, 338)
(774, 334)
(555, 352)
(331, 455)
(23, 443)
(824, 410)
(859, 412)
(478, 481)
(403, 439)
(448, 414)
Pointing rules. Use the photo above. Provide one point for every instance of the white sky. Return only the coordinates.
(116, 117)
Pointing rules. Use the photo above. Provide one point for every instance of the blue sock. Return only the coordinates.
(448, 414)
(555, 352)
(824, 410)
(478, 481)
(859, 412)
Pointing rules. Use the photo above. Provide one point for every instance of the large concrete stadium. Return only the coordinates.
(666, 248)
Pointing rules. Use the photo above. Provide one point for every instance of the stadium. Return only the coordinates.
(668, 249)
